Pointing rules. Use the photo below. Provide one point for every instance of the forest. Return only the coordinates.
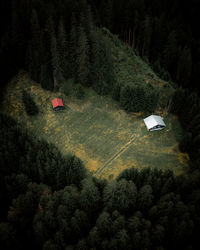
(49, 200)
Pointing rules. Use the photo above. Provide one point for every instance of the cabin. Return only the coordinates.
(57, 104)
(154, 122)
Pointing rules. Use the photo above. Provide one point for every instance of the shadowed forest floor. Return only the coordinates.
(97, 130)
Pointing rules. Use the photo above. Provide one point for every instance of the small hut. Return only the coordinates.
(154, 122)
(57, 104)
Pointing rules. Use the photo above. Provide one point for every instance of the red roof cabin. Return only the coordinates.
(57, 104)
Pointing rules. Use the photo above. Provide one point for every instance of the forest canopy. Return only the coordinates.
(49, 201)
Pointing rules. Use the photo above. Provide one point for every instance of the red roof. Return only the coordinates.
(57, 102)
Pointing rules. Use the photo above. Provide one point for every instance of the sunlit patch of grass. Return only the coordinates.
(92, 165)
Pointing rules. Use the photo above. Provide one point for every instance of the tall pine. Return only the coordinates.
(63, 49)
(73, 46)
(55, 58)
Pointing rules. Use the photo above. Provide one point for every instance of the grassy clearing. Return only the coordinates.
(97, 130)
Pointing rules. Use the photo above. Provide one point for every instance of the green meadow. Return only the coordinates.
(98, 130)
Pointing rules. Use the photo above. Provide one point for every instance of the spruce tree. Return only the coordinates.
(96, 74)
(82, 62)
(88, 21)
(46, 77)
(106, 12)
(147, 36)
(73, 46)
(177, 101)
(184, 68)
(170, 52)
(30, 106)
(63, 49)
(55, 60)
(102, 65)
(35, 48)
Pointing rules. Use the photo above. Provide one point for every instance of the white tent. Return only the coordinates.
(154, 122)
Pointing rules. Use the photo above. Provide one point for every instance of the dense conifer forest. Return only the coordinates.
(49, 200)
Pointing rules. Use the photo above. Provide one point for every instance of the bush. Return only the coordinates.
(186, 142)
(30, 106)
(139, 98)
(79, 91)
(65, 87)
(177, 101)
(116, 92)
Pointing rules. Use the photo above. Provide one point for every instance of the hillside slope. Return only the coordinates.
(96, 128)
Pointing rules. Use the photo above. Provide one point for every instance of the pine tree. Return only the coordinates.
(145, 198)
(177, 101)
(63, 49)
(184, 68)
(120, 196)
(108, 67)
(106, 12)
(96, 74)
(88, 21)
(55, 60)
(46, 77)
(17, 36)
(90, 196)
(103, 224)
(170, 52)
(82, 53)
(73, 46)
(35, 48)
(147, 36)
(30, 106)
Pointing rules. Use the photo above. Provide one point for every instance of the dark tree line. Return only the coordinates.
(55, 41)
(49, 202)
(35, 34)
(186, 105)
(163, 32)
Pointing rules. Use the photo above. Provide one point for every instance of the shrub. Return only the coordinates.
(186, 142)
(79, 91)
(139, 98)
(30, 106)
(116, 92)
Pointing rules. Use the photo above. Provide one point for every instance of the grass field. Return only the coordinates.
(97, 130)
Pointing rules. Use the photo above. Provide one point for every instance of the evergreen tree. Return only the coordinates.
(79, 223)
(82, 53)
(55, 60)
(63, 49)
(96, 74)
(73, 46)
(177, 101)
(186, 142)
(90, 196)
(147, 36)
(17, 35)
(103, 224)
(94, 238)
(46, 77)
(86, 21)
(170, 52)
(30, 106)
(184, 68)
(35, 48)
(121, 196)
(106, 12)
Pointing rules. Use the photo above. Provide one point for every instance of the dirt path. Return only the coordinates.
(125, 147)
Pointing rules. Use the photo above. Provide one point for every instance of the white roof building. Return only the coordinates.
(154, 122)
